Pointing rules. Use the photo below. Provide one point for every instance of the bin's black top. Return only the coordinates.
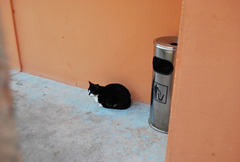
(166, 43)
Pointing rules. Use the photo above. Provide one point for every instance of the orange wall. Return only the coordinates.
(205, 116)
(102, 40)
(8, 34)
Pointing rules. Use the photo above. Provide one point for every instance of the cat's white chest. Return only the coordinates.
(95, 97)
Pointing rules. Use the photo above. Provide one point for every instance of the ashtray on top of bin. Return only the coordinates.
(163, 67)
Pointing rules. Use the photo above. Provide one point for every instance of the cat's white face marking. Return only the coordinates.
(100, 105)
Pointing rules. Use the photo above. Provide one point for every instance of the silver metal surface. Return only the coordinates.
(156, 129)
(162, 86)
(165, 43)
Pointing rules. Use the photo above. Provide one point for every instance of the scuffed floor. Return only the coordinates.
(61, 123)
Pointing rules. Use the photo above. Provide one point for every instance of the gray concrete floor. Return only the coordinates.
(61, 123)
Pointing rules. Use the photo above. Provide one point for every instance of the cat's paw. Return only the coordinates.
(100, 105)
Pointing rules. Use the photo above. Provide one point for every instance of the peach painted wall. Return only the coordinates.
(102, 40)
(205, 116)
(8, 38)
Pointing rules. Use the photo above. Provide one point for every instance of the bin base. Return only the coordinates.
(156, 129)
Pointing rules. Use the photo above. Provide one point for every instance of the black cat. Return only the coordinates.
(114, 96)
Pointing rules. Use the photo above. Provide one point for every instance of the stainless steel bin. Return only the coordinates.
(163, 67)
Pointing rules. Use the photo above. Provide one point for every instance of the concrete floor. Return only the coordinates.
(61, 123)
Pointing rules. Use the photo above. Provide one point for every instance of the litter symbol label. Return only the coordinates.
(160, 92)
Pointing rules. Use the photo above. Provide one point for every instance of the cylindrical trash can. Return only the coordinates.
(163, 67)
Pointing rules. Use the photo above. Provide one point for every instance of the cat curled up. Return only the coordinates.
(114, 96)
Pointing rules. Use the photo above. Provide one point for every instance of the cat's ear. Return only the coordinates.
(90, 83)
